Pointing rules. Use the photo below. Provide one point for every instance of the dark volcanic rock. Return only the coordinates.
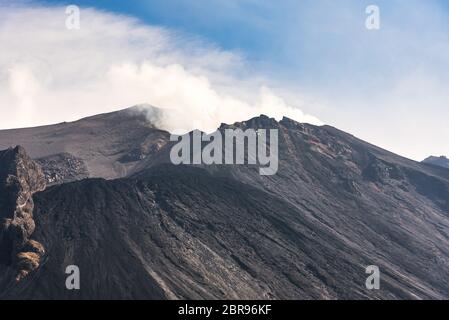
(110, 145)
(62, 168)
(438, 161)
(336, 205)
(20, 178)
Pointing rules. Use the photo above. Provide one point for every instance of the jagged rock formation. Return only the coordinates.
(20, 178)
(437, 161)
(63, 168)
(336, 205)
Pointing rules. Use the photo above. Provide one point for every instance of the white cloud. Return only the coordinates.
(50, 74)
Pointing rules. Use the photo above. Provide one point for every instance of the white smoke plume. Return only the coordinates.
(51, 74)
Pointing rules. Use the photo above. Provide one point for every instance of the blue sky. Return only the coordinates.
(320, 45)
(297, 38)
(386, 86)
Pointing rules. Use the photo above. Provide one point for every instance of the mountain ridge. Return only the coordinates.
(336, 205)
(441, 161)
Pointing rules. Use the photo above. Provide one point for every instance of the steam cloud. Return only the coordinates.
(50, 74)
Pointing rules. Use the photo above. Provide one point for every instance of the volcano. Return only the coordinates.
(106, 198)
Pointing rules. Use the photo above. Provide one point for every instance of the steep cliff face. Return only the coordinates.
(20, 178)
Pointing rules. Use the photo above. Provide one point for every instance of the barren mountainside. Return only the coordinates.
(107, 145)
(438, 161)
(143, 228)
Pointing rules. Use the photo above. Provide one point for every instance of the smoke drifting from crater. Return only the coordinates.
(51, 74)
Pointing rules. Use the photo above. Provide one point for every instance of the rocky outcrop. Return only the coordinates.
(20, 178)
(63, 168)
(108, 145)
